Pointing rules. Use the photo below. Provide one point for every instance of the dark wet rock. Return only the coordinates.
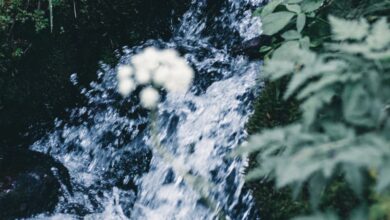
(126, 167)
(251, 47)
(30, 183)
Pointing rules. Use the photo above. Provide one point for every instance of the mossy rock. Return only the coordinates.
(30, 183)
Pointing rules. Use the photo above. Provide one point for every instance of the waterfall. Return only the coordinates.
(105, 144)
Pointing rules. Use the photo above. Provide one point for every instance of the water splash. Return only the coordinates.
(105, 144)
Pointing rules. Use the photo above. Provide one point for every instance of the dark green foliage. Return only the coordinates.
(36, 62)
(271, 110)
(276, 204)
(343, 115)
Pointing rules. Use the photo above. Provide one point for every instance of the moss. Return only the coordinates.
(271, 110)
(339, 197)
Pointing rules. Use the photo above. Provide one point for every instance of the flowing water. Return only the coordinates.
(106, 143)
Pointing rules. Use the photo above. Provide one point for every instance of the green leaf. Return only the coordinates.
(294, 8)
(265, 49)
(255, 174)
(383, 182)
(316, 186)
(291, 35)
(380, 37)
(301, 21)
(311, 5)
(311, 106)
(284, 51)
(357, 106)
(278, 68)
(318, 85)
(305, 42)
(275, 22)
(270, 7)
(354, 177)
(348, 30)
(294, 1)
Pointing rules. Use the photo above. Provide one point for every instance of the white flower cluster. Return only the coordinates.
(156, 68)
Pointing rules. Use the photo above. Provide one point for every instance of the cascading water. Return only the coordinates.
(105, 144)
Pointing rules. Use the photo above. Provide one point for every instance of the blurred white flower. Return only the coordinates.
(180, 77)
(126, 86)
(165, 67)
(161, 76)
(160, 68)
(124, 71)
(149, 97)
(143, 76)
(169, 55)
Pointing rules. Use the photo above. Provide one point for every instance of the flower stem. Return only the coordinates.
(198, 183)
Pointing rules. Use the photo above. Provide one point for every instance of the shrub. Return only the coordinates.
(341, 142)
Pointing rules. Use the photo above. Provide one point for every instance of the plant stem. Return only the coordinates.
(51, 15)
(198, 183)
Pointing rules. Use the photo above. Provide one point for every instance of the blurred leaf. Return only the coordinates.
(284, 51)
(270, 7)
(255, 174)
(265, 49)
(317, 185)
(380, 37)
(357, 105)
(291, 35)
(345, 29)
(305, 42)
(275, 22)
(354, 177)
(311, 5)
(301, 21)
(293, 8)
(294, 1)
(383, 178)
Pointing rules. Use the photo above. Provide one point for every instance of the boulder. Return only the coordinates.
(251, 47)
(30, 183)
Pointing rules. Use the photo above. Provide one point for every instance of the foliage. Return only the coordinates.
(343, 88)
(271, 110)
(273, 22)
(41, 46)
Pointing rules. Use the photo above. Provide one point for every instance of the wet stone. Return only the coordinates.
(28, 185)
(251, 47)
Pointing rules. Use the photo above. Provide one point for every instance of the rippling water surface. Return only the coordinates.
(105, 144)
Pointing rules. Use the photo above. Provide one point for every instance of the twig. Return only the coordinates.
(74, 9)
(51, 15)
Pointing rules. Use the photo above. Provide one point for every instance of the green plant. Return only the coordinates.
(343, 90)
(293, 15)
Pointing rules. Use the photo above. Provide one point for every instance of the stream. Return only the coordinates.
(106, 147)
